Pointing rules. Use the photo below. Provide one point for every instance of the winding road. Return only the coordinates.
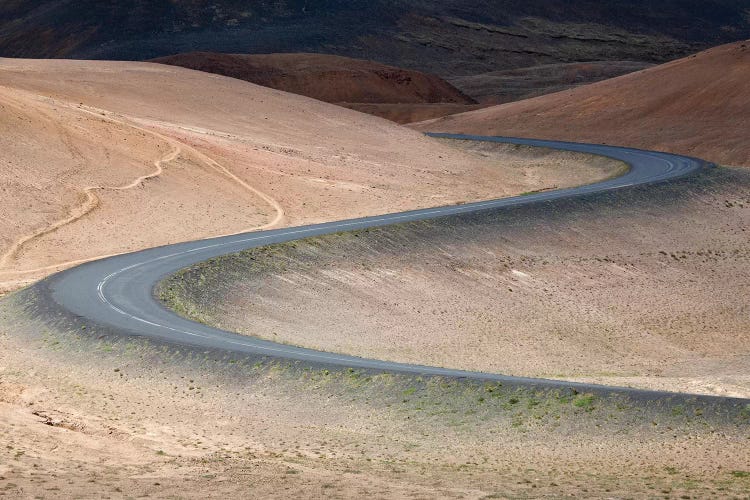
(117, 292)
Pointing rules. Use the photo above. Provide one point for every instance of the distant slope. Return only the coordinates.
(499, 87)
(411, 113)
(443, 37)
(327, 78)
(698, 106)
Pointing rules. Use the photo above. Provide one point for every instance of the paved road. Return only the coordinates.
(117, 292)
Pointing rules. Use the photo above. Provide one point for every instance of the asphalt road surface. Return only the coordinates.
(117, 292)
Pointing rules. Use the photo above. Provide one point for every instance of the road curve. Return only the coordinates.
(117, 292)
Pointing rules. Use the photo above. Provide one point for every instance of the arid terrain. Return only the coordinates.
(411, 113)
(643, 287)
(106, 158)
(327, 78)
(397, 94)
(495, 52)
(500, 87)
(400, 95)
(91, 416)
(697, 106)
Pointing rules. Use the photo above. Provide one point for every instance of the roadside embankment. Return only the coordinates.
(643, 287)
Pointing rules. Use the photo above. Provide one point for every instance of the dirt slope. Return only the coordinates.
(411, 113)
(396, 94)
(698, 106)
(100, 158)
(92, 420)
(327, 78)
(641, 288)
(499, 87)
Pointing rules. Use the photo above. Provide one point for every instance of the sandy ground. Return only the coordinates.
(109, 422)
(100, 158)
(646, 290)
(103, 420)
(698, 106)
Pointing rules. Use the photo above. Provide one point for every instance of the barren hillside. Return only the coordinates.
(101, 157)
(327, 78)
(697, 106)
(640, 287)
(397, 94)
(499, 87)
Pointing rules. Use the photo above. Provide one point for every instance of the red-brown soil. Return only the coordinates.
(698, 106)
(396, 94)
(325, 77)
(411, 113)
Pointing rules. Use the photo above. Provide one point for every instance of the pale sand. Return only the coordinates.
(108, 157)
(102, 423)
(97, 423)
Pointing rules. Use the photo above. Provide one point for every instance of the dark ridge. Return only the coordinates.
(448, 37)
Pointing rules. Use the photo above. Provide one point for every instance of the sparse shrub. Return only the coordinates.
(584, 401)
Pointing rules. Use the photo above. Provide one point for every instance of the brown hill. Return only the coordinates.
(98, 158)
(499, 87)
(327, 78)
(410, 113)
(699, 106)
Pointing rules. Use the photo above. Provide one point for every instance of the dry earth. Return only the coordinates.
(91, 418)
(397, 94)
(499, 87)
(697, 106)
(326, 77)
(645, 288)
(85, 416)
(411, 113)
(107, 157)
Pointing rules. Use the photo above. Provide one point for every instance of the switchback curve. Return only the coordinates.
(117, 293)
